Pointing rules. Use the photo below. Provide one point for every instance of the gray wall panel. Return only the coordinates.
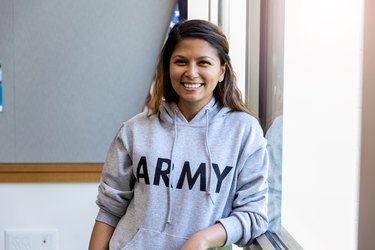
(7, 117)
(81, 68)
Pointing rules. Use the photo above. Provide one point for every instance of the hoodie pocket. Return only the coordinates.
(152, 239)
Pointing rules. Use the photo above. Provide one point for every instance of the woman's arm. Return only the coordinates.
(100, 236)
(115, 193)
(213, 236)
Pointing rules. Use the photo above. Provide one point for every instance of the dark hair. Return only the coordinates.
(226, 92)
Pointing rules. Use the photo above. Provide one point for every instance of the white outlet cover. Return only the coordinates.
(31, 239)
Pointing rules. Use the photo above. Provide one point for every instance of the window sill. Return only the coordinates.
(281, 240)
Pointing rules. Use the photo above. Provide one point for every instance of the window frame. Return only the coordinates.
(280, 240)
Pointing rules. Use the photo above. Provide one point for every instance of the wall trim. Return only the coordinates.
(50, 172)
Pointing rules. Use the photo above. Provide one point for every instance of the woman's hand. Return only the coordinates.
(213, 236)
(196, 242)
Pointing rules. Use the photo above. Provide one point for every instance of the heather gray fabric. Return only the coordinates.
(218, 175)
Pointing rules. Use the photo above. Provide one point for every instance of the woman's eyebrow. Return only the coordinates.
(200, 58)
(206, 57)
(178, 56)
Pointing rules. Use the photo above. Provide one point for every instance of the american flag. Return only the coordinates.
(175, 19)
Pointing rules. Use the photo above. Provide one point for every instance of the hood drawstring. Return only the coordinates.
(208, 192)
(170, 187)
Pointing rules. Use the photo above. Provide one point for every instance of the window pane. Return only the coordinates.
(271, 98)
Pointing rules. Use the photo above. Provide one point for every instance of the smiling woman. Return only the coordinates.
(195, 70)
(200, 189)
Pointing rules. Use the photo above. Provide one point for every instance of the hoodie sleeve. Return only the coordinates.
(248, 218)
(116, 183)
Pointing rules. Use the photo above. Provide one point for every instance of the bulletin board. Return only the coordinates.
(72, 72)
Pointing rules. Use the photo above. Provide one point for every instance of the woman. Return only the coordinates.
(191, 173)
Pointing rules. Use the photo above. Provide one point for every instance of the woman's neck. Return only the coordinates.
(189, 111)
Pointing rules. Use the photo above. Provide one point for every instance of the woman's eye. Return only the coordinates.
(205, 63)
(180, 62)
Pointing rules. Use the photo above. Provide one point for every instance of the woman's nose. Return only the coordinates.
(192, 71)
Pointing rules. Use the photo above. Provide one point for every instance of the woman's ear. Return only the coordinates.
(222, 73)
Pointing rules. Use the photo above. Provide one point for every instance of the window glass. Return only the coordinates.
(271, 68)
(257, 53)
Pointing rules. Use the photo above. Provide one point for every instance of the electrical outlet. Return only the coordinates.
(31, 239)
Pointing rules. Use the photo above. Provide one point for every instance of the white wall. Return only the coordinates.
(69, 208)
(322, 88)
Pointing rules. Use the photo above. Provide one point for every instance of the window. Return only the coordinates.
(255, 30)
(305, 74)
(322, 105)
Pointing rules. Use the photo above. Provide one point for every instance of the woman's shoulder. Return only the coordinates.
(245, 122)
(242, 117)
(140, 119)
(136, 124)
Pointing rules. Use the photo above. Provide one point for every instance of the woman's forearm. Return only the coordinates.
(100, 236)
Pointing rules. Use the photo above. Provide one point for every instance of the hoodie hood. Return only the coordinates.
(169, 112)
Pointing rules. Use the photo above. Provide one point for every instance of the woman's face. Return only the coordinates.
(195, 71)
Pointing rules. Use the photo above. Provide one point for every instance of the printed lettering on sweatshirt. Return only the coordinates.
(162, 171)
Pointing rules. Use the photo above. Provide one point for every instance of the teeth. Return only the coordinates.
(192, 86)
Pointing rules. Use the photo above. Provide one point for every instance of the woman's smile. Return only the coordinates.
(192, 85)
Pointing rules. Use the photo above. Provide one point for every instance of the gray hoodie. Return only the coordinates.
(166, 178)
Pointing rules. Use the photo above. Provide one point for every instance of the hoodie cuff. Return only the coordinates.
(233, 227)
(107, 218)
